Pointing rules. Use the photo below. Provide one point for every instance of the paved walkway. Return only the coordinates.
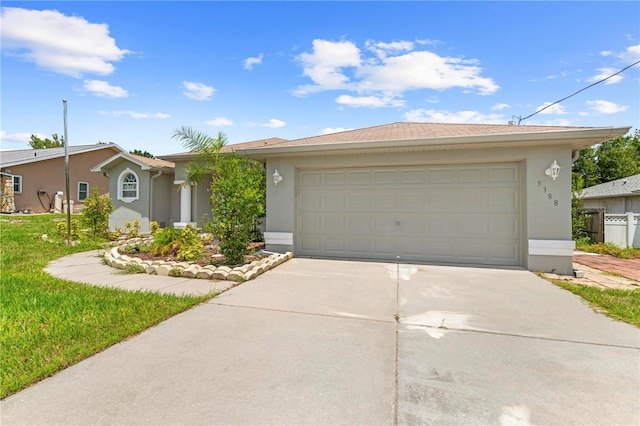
(87, 267)
(629, 268)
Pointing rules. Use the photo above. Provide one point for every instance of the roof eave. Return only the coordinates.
(578, 139)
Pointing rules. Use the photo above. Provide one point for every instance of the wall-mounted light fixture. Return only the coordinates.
(553, 170)
(276, 178)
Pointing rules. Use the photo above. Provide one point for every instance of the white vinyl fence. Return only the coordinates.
(622, 229)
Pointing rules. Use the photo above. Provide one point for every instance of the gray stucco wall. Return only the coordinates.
(544, 217)
(134, 210)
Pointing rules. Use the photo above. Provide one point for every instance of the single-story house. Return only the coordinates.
(414, 192)
(617, 196)
(37, 175)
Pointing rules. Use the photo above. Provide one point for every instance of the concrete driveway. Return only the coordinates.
(317, 342)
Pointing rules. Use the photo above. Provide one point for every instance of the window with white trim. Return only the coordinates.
(16, 180)
(128, 186)
(83, 190)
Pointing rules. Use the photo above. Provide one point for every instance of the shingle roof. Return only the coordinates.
(22, 156)
(410, 130)
(229, 148)
(615, 188)
(152, 162)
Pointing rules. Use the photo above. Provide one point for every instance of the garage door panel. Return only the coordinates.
(334, 178)
(507, 175)
(471, 175)
(311, 179)
(385, 177)
(359, 178)
(461, 213)
(501, 200)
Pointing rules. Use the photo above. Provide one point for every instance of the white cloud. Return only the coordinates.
(219, 121)
(197, 91)
(250, 62)
(382, 50)
(606, 107)
(631, 54)
(273, 123)
(104, 89)
(328, 130)
(392, 69)
(369, 101)
(324, 65)
(500, 107)
(441, 116)
(555, 109)
(134, 114)
(68, 45)
(604, 73)
(19, 137)
(606, 53)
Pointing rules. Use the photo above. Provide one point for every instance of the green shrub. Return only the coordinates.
(62, 230)
(154, 227)
(175, 272)
(95, 215)
(191, 246)
(133, 229)
(610, 249)
(167, 241)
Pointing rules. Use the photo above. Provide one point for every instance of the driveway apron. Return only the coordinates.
(317, 342)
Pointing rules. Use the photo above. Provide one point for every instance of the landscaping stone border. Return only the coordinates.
(246, 272)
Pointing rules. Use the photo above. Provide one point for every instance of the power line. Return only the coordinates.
(520, 119)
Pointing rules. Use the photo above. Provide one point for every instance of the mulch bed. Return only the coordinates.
(211, 251)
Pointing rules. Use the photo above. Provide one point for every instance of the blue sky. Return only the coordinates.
(132, 72)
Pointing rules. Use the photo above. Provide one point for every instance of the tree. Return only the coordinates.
(37, 143)
(142, 153)
(238, 190)
(614, 159)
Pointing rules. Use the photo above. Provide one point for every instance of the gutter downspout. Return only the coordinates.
(574, 156)
(151, 188)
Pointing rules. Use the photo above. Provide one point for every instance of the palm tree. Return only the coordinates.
(207, 148)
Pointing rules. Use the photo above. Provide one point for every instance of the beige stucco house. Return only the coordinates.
(37, 175)
(426, 192)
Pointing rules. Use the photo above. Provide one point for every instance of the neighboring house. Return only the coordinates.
(618, 196)
(426, 192)
(38, 174)
(620, 201)
(141, 189)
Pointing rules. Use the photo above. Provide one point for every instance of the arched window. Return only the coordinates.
(128, 186)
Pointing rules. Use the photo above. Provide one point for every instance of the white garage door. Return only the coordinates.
(454, 214)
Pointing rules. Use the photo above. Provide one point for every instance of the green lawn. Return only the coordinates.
(623, 305)
(46, 323)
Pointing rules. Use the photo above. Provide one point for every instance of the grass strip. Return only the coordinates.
(46, 323)
(623, 305)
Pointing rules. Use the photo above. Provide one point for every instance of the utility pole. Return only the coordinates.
(66, 171)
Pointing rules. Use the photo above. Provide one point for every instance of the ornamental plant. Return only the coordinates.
(95, 215)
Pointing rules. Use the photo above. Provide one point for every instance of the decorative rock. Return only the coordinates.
(204, 273)
(220, 274)
(236, 275)
(190, 271)
(163, 270)
(115, 259)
